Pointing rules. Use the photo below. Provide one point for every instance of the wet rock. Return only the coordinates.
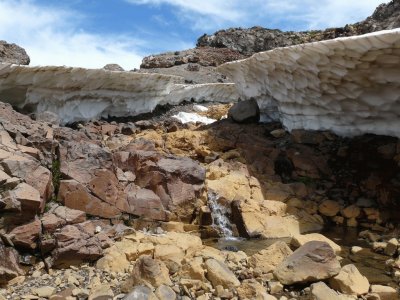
(310, 137)
(219, 274)
(391, 247)
(312, 262)
(268, 259)
(329, 208)
(9, 266)
(350, 281)
(150, 271)
(245, 112)
(351, 211)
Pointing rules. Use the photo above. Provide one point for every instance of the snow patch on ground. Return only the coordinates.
(185, 117)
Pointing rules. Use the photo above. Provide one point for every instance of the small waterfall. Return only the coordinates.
(219, 215)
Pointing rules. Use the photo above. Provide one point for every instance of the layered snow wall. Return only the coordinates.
(348, 85)
(78, 94)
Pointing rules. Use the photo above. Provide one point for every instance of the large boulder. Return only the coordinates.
(312, 262)
(219, 274)
(26, 236)
(350, 281)
(75, 244)
(245, 112)
(13, 54)
(268, 259)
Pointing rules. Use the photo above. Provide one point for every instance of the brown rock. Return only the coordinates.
(74, 195)
(385, 292)
(312, 262)
(71, 216)
(9, 266)
(51, 222)
(29, 197)
(329, 208)
(75, 246)
(26, 236)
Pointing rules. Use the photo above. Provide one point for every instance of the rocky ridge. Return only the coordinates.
(258, 39)
(118, 209)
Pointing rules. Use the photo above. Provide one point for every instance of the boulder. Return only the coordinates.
(75, 245)
(311, 262)
(268, 259)
(9, 264)
(150, 271)
(320, 291)
(245, 112)
(29, 197)
(253, 290)
(26, 236)
(350, 281)
(113, 67)
(385, 292)
(301, 239)
(219, 274)
(329, 208)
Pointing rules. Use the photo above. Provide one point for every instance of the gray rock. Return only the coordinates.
(140, 293)
(13, 54)
(113, 67)
(245, 112)
(314, 261)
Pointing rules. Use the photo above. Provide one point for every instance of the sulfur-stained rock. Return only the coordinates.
(350, 281)
(311, 262)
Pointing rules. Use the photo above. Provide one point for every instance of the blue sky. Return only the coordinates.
(92, 33)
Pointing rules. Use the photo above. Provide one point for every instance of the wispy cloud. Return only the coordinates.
(53, 36)
(285, 14)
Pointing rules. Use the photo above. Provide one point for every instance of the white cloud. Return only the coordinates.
(286, 14)
(52, 36)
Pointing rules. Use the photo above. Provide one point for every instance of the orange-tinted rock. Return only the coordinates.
(26, 236)
(74, 195)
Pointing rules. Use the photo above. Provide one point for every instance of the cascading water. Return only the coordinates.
(219, 214)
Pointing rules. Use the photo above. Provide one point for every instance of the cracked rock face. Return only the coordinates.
(348, 85)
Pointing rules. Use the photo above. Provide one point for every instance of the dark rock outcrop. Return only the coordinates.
(14, 54)
(256, 39)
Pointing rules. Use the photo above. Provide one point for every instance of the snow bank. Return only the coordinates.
(348, 85)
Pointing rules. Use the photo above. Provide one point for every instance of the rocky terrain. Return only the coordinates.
(108, 209)
(119, 185)
(247, 41)
(258, 39)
